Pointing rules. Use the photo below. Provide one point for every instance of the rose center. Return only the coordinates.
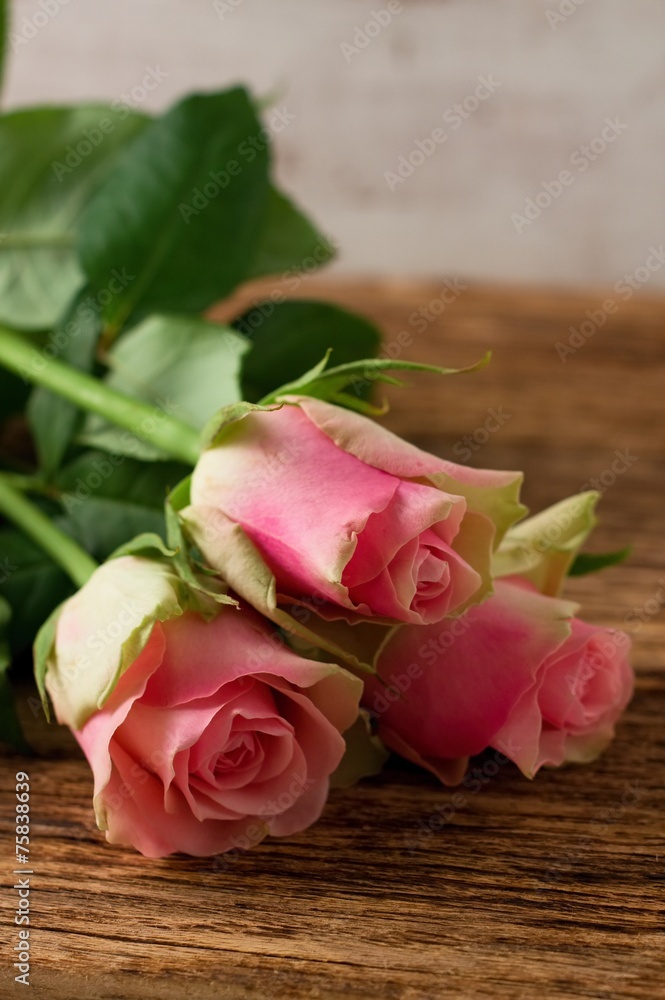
(433, 573)
(238, 751)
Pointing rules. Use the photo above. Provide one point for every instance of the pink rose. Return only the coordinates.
(349, 517)
(202, 735)
(519, 673)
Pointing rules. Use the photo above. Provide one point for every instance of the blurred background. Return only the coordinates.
(519, 141)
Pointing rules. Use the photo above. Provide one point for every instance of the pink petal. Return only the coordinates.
(141, 821)
(282, 453)
(202, 656)
(469, 672)
(97, 733)
(378, 447)
(306, 809)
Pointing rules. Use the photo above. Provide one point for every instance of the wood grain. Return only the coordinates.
(550, 889)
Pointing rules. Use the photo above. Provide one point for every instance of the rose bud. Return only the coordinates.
(348, 519)
(543, 548)
(519, 673)
(204, 734)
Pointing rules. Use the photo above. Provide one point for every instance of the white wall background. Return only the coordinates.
(356, 115)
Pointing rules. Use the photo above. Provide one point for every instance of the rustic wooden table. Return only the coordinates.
(533, 890)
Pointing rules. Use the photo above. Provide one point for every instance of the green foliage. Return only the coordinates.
(49, 168)
(31, 584)
(10, 727)
(289, 337)
(183, 211)
(192, 363)
(288, 243)
(333, 384)
(108, 499)
(592, 562)
(53, 420)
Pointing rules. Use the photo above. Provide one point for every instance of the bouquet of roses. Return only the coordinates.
(317, 592)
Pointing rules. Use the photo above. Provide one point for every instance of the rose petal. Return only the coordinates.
(142, 822)
(96, 735)
(281, 453)
(469, 672)
(488, 491)
(306, 809)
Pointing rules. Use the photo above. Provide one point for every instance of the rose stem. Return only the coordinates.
(147, 422)
(67, 553)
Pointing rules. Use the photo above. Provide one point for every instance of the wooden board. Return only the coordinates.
(544, 889)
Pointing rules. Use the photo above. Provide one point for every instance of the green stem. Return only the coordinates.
(64, 550)
(147, 422)
(32, 484)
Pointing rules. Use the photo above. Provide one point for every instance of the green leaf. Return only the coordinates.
(329, 384)
(52, 419)
(13, 394)
(10, 727)
(116, 477)
(592, 562)
(350, 402)
(49, 168)
(183, 210)
(205, 587)
(149, 545)
(101, 523)
(98, 435)
(288, 241)
(179, 498)
(180, 495)
(110, 499)
(365, 754)
(192, 363)
(290, 337)
(545, 546)
(220, 422)
(32, 585)
(43, 646)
